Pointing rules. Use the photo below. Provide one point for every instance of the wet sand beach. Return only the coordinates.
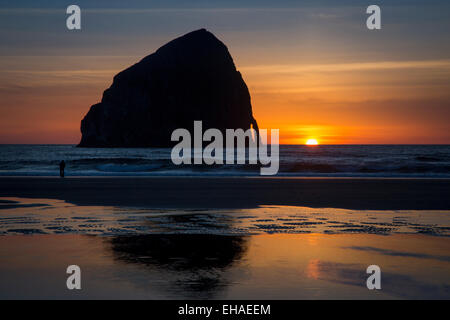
(224, 238)
(280, 266)
(236, 192)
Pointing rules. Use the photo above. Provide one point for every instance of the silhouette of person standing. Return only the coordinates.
(62, 165)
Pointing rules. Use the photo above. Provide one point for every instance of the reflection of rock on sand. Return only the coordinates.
(193, 264)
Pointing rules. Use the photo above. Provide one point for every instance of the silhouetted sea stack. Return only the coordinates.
(190, 78)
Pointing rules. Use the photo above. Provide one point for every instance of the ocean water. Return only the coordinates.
(295, 160)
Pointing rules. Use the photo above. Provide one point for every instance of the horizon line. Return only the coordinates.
(280, 144)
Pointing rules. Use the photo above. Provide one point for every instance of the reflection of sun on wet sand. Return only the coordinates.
(280, 266)
(249, 246)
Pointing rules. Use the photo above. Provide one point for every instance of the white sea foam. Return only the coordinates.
(295, 160)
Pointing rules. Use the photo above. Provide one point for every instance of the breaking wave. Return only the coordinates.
(295, 160)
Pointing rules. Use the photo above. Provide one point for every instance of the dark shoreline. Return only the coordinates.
(236, 192)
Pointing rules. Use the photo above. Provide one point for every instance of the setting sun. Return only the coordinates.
(312, 142)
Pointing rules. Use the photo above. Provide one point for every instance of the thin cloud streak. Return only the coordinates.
(358, 66)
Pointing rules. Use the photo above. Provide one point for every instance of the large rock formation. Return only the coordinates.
(190, 78)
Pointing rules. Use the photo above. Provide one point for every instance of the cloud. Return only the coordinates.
(340, 67)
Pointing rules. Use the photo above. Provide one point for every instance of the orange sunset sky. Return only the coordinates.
(313, 70)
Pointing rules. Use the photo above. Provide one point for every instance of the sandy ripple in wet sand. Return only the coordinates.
(269, 252)
(46, 216)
